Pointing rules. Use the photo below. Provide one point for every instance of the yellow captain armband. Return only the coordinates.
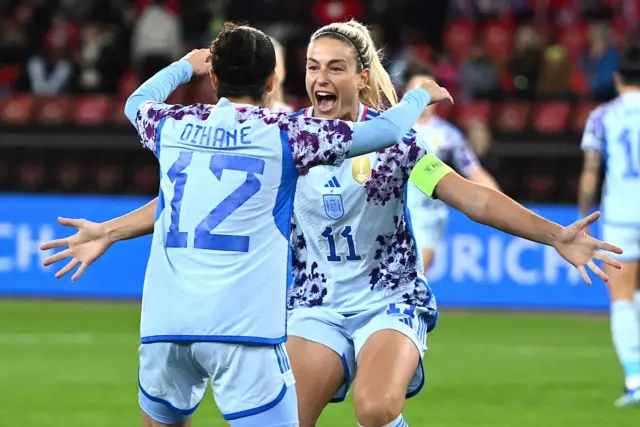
(428, 172)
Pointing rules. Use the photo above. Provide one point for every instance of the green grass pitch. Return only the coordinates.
(73, 364)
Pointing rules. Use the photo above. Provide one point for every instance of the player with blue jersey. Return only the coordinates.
(214, 298)
(450, 145)
(612, 136)
(360, 306)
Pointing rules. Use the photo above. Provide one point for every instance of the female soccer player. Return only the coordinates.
(450, 145)
(358, 294)
(612, 136)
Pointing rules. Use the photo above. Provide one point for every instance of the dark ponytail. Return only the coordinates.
(242, 58)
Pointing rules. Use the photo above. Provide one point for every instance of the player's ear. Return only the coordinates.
(271, 83)
(214, 80)
(363, 78)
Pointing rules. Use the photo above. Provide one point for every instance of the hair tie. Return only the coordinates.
(365, 64)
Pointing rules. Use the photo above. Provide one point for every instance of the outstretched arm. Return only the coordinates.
(487, 206)
(93, 239)
(134, 224)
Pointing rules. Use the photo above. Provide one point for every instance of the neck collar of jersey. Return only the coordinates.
(362, 112)
(223, 102)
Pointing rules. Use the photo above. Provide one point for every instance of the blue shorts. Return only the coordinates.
(346, 334)
(628, 238)
(246, 379)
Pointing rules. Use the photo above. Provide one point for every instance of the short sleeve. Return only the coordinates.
(593, 136)
(317, 142)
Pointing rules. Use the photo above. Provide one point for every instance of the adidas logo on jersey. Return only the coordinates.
(333, 183)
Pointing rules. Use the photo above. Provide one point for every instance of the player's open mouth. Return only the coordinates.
(325, 101)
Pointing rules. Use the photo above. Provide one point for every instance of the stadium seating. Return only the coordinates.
(511, 116)
(17, 109)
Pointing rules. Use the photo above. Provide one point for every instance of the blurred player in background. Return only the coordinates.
(358, 293)
(275, 100)
(613, 132)
(214, 298)
(449, 144)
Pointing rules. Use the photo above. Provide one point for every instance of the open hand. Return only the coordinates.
(88, 244)
(576, 246)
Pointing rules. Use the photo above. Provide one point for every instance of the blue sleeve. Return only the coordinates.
(158, 88)
(390, 126)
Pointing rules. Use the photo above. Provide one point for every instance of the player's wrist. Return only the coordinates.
(109, 231)
(553, 235)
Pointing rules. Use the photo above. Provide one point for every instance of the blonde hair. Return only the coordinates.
(367, 57)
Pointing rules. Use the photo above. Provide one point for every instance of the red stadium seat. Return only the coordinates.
(92, 110)
(17, 110)
(497, 37)
(512, 116)
(474, 110)
(580, 115)
(54, 110)
(458, 36)
(574, 38)
(551, 117)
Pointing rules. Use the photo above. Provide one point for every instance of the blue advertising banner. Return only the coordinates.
(475, 266)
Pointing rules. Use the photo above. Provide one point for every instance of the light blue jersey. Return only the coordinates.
(614, 129)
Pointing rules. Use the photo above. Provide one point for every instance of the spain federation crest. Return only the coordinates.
(361, 169)
(333, 206)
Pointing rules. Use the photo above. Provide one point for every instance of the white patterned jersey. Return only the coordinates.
(352, 247)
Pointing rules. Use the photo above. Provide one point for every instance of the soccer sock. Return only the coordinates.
(398, 422)
(625, 330)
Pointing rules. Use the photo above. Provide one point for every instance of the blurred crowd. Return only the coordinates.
(479, 48)
(486, 52)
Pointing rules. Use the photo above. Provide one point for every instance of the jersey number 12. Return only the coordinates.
(203, 239)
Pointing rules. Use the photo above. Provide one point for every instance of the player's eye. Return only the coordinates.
(337, 69)
(312, 67)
